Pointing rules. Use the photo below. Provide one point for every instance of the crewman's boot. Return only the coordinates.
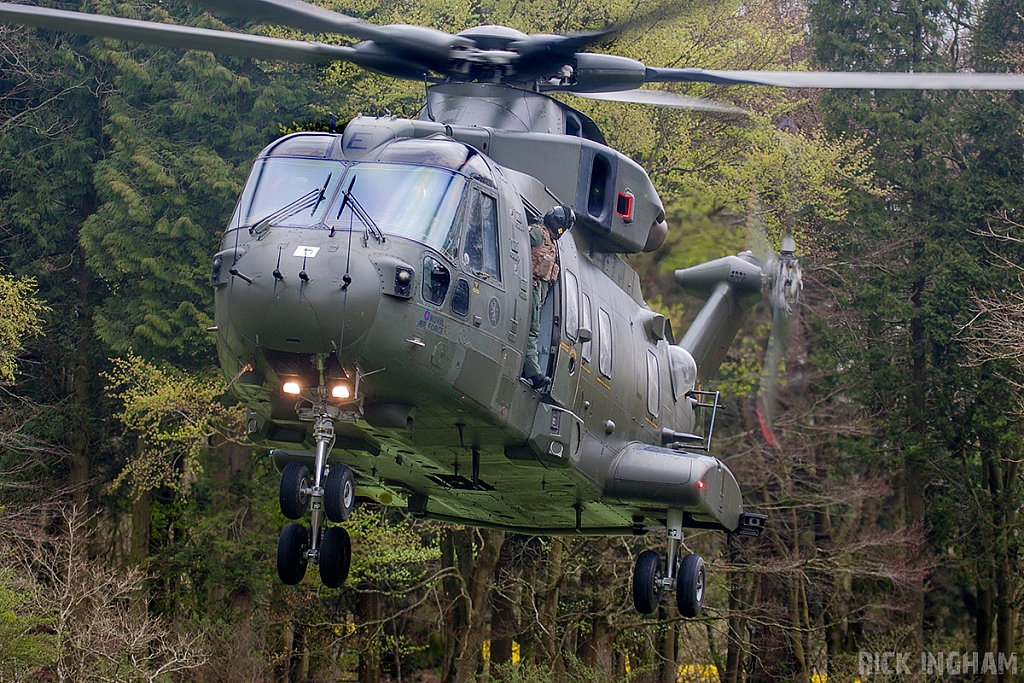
(539, 382)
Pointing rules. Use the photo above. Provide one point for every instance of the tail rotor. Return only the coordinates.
(782, 283)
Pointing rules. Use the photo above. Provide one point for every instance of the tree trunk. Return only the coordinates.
(1007, 576)
(370, 618)
(289, 649)
(668, 668)
(916, 463)
(736, 625)
(302, 662)
(504, 623)
(81, 430)
(596, 649)
(549, 608)
(803, 674)
(140, 529)
(983, 618)
(473, 553)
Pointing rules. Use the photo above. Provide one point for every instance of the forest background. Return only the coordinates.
(137, 531)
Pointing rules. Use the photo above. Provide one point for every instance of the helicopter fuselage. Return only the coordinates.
(394, 261)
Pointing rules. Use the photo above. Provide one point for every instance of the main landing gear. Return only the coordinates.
(332, 493)
(686, 575)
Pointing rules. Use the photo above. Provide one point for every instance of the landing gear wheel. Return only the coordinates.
(690, 586)
(293, 501)
(339, 494)
(647, 582)
(335, 556)
(291, 553)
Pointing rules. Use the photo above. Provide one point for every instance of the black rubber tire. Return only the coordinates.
(291, 548)
(647, 582)
(691, 585)
(339, 494)
(294, 502)
(335, 556)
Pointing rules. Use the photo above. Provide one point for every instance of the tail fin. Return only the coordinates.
(731, 286)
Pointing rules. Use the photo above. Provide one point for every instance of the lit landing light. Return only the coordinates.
(340, 391)
(292, 388)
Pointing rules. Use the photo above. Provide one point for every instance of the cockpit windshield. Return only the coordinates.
(418, 202)
(407, 200)
(288, 192)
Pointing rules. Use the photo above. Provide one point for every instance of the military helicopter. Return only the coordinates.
(373, 295)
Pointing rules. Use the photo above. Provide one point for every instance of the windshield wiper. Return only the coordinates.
(323, 191)
(310, 200)
(359, 211)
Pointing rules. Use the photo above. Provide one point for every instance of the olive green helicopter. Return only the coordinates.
(373, 295)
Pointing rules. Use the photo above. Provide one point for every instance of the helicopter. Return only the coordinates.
(373, 295)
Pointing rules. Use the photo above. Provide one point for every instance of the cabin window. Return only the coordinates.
(480, 248)
(682, 371)
(436, 280)
(586, 322)
(460, 299)
(572, 306)
(653, 384)
(604, 342)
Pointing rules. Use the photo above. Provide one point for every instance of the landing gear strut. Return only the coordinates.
(687, 575)
(331, 494)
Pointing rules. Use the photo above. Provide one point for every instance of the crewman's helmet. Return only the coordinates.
(560, 220)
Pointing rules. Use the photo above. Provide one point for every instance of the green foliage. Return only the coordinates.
(180, 131)
(576, 672)
(390, 552)
(174, 415)
(26, 643)
(19, 318)
(215, 546)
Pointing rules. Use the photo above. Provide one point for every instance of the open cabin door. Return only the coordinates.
(565, 346)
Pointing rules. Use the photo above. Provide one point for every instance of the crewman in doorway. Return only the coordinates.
(544, 258)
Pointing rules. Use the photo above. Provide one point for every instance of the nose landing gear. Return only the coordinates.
(331, 494)
(687, 575)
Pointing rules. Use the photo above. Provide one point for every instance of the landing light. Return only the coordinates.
(292, 388)
(340, 391)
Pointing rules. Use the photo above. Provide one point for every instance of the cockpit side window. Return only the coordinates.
(480, 252)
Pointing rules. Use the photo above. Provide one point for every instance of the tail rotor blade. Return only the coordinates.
(785, 282)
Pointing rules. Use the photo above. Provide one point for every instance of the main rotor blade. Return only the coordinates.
(659, 98)
(300, 15)
(541, 54)
(171, 35)
(537, 45)
(843, 79)
(429, 47)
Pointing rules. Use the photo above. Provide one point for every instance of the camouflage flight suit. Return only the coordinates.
(544, 253)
